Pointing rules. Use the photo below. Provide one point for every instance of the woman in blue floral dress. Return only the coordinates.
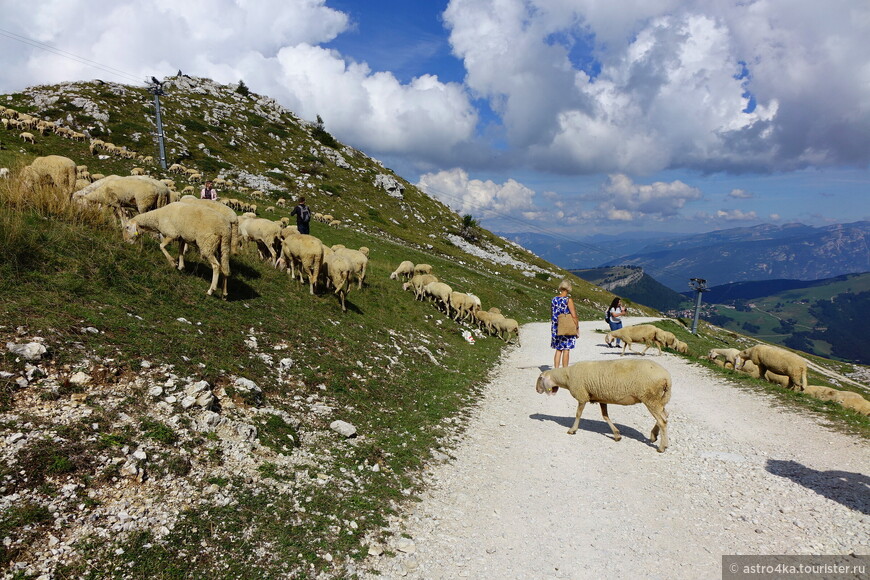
(562, 304)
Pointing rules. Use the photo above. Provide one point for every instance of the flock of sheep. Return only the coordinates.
(15, 120)
(627, 382)
(457, 305)
(786, 369)
(212, 226)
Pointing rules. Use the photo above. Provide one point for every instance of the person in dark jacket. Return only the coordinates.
(303, 216)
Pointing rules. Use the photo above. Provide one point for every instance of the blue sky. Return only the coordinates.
(567, 116)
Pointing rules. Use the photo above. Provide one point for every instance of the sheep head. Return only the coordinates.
(546, 384)
(131, 230)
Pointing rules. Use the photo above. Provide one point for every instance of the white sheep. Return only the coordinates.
(779, 361)
(120, 193)
(484, 319)
(53, 171)
(339, 270)
(230, 215)
(422, 269)
(645, 333)
(619, 382)
(405, 270)
(459, 304)
(137, 171)
(359, 260)
(731, 355)
(189, 223)
(439, 292)
(506, 326)
(265, 233)
(4, 173)
(305, 252)
(417, 283)
(27, 137)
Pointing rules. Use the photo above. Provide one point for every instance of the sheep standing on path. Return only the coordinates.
(619, 382)
(189, 223)
(645, 333)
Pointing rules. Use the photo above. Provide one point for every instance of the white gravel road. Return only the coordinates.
(523, 499)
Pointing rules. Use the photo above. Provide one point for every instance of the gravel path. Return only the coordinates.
(522, 499)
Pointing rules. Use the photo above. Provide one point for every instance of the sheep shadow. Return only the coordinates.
(846, 488)
(237, 289)
(596, 426)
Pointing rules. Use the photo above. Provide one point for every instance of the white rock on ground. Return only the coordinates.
(522, 499)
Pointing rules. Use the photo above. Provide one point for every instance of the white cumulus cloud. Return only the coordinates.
(620, 196)
(477, 197)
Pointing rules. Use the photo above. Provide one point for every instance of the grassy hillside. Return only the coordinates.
(168, 434)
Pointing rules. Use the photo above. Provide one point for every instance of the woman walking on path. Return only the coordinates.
(562, 304)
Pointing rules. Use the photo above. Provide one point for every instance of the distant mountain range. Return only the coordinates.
(764, 252)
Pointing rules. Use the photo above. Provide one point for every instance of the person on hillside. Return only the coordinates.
(208, 192)
(614, 313)
(303, 216)
(562, 304)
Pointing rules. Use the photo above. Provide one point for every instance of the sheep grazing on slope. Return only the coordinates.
(644, 333)
(129, 192)
(460, 303)
(189, 223)
(305, 253)
(504, 327)
(730, 355)
(339, 270)
(230, 215)
(417, 283)
(265, 233)
(619, 382)
(358, 259)
(52, 171)
(779, 361)
(422, 269)
(439, 292)
(484, 319)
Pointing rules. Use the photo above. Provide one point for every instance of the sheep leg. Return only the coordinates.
(616, 435)
(661, 417)
(215, 275)
(163, 244)
(576, 424)
(182, 250)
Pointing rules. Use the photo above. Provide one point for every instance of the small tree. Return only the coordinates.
(322, 135)
(243, 89)
(469, 229)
